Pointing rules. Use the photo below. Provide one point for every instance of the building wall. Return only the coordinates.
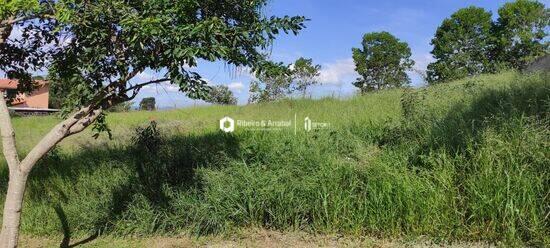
(37, 99)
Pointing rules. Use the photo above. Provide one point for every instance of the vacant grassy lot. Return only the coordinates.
(464, 161)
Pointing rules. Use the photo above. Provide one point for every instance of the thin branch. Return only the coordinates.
(13, 21)
(111, 87)
(123, 97)
(139, 86)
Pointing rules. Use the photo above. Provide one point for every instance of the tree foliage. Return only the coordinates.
(27, 52)
(272, 83)
(304, 74)
(521, 31)
(382, 62)
(221, 94)
(148, 104)
(277, 80)
(113, 41)
(470, 43)
(462, 46)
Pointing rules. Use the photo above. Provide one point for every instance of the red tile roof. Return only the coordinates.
(12, 84)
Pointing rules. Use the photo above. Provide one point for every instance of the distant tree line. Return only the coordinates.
(467, 43)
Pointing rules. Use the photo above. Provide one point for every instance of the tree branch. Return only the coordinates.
(139, 86)
(13, 21)
(56, 134)
(85, 122)
(5, 30)
(81, 119)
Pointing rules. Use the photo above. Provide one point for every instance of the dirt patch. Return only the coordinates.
(249, 238)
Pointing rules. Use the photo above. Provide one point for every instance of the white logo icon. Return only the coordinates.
(229, 128)
(307, 124)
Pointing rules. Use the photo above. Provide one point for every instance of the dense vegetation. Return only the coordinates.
(466, 160)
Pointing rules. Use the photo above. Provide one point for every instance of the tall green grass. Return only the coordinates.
(461, 161)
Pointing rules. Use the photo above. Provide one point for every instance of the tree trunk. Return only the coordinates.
(16, 184)
(19, 170)
(12, 209)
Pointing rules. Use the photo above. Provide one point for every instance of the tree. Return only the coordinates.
(273, 83)
(110, 43)
(148, 104)
(521, 31)
(462, 46)
(382, 63)
(221, 94)
(304, 74)
(277, 80)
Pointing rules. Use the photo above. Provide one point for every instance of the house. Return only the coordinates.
(35, 102)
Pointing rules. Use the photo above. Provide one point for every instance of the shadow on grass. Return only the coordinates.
(491, 109)
(66, 242)
(92, 189)
(466, 122)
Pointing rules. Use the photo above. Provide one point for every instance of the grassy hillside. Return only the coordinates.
(461, 161)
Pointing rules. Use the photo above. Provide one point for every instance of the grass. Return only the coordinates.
(463, 161)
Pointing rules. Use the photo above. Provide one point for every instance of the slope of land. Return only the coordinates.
(464, 161)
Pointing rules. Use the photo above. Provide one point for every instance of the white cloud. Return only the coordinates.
(145, 76)
(169, 87)
(236, 86)
(161, 88)
(422, 61)
(337, 73)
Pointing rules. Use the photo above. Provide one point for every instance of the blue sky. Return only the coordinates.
(335, 27)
